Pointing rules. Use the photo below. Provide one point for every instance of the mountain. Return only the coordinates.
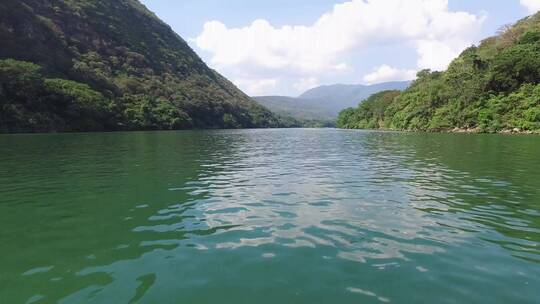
(324, 103)
(87, 65)
(493, 87)
(341, 96)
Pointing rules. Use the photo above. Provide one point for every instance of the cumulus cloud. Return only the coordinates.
(532, 6)
(436, 33)
(305, 84)
(385, 73)
(256, 86)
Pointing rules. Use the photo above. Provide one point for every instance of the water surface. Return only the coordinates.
(269, 216)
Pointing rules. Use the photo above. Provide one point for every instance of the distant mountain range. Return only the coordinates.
(325, 102)
(304, 109)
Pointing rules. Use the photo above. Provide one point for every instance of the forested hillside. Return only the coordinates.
(493, 87)
(74, 65)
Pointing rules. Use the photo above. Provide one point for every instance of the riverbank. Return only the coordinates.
(503, 131)
(515, 131)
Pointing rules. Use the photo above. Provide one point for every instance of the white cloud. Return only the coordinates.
(305, 84)
(256, 86)
(386, 73)
(302, 52)
(532, 6)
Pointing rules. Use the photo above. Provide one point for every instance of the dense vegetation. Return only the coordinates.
(490, 88)
(73, 65)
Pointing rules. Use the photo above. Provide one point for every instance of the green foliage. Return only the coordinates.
(143, 113)
(30, 102)
(370, 114)
(489, 88)
(514, 66)
(80, 107)
(20, 86)
(520, 109)
(16, 77)
(229, 121)
(113, 66)
(346, 119)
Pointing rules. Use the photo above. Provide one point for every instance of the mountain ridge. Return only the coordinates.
(325, 102)
(321, 90)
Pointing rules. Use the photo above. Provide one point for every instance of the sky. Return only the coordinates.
(285, 47)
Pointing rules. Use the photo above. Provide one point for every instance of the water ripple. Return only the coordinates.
(312, 215)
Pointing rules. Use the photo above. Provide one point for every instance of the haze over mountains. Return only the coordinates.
(303, 109)
(325, 102)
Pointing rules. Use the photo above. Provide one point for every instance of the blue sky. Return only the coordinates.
(283, 47)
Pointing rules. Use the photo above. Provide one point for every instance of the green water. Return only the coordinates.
(269, 216)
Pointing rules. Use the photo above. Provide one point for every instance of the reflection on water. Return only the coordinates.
(269, 216)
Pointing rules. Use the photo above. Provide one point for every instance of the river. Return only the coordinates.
(269, 216)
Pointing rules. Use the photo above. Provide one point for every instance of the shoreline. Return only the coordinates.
(515, 131)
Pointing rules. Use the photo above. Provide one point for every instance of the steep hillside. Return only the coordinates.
(79, 65)
(494, 87)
